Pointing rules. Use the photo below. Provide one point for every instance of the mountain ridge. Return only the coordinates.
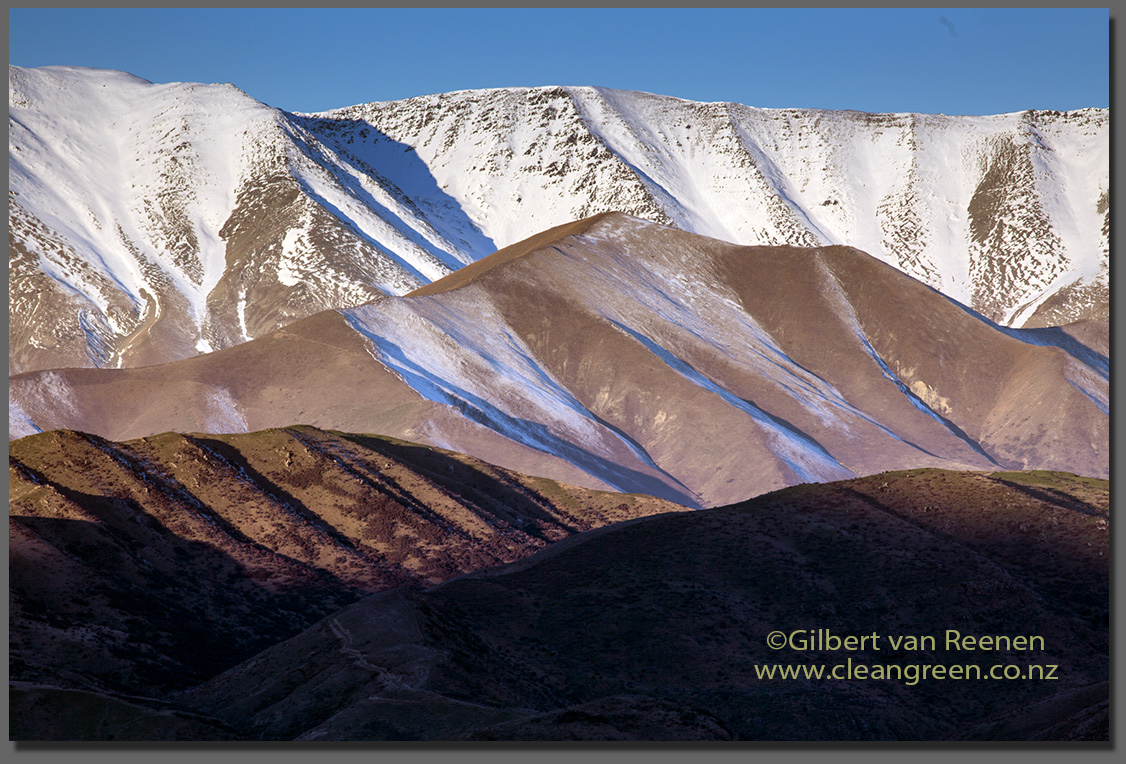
(639, 357)
(217, 218)
(471, 272)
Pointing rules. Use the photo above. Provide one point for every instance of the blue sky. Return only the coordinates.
(954, 61)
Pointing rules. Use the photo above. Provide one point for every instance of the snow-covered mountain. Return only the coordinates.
(153, 222)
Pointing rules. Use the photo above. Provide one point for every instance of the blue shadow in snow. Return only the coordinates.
(396, 168)
(528, 433)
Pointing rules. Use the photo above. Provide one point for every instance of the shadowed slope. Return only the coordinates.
(150, 565)
(666, 618)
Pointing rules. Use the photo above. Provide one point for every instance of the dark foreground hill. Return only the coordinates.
(657, 628)
(654, 628)
(144, 567)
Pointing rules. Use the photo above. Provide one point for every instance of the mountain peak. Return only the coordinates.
(544, 240)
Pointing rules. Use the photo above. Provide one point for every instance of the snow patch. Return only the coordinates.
(1089, 382)
(456, 351)
(807, 458)
(19, 423)
(222, 413)
(241, 308)
(837, 293)
(43, 400)
(290, 256)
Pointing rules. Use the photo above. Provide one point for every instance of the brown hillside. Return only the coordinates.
(616, 353)
(150, 565)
